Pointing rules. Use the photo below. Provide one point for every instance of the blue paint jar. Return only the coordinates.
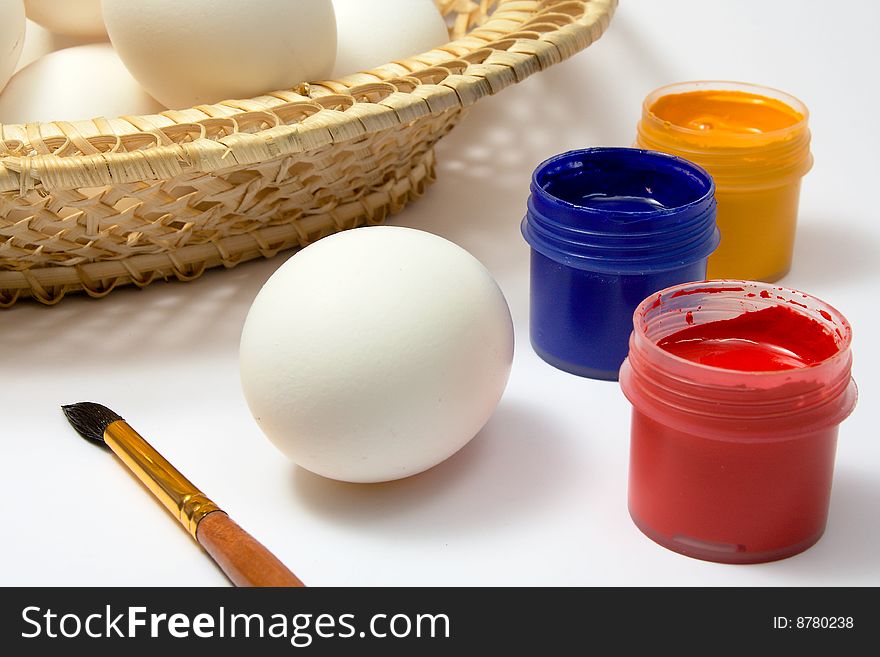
(609, 227)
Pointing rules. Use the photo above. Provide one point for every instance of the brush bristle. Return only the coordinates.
(90, 419)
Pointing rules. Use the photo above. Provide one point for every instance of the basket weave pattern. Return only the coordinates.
(91, 205)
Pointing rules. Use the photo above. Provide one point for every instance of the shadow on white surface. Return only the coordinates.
(832, 251)
(164, 321)
(642, 52)
(510, 471)
(848, 550)
(485, 164)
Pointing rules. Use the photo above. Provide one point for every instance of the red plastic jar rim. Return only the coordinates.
(735, 404)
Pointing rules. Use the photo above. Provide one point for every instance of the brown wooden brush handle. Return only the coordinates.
(243, 558)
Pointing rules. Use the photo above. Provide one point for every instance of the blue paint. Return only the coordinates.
(609, 227)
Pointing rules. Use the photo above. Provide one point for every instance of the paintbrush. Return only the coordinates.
(245, 561)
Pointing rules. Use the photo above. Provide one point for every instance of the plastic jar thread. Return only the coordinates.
(726, 404)
(617, 241)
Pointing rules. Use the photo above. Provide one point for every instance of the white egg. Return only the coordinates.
(373, 33)
(376, 353)
(80, 18)
(73, 84)
(204, 51)
(39, 41)
(11, 37)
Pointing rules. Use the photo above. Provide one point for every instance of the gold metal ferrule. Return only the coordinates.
(186, 502)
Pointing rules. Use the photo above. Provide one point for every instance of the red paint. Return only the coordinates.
(734, 463)
(689, 318)
(772, 339)
(734, 502)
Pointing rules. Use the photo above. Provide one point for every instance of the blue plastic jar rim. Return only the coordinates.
(669, 234)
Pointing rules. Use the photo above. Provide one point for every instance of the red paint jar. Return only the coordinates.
(733, 465)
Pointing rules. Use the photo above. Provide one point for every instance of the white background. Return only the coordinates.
(539, 496)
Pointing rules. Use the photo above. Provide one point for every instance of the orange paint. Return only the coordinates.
(756, 144)
(721, 115)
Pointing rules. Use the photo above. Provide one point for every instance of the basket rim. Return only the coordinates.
(329, 111)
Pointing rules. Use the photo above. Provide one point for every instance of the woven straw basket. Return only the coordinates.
(91, 205)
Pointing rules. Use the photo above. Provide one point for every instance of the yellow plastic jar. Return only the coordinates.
(756, 144)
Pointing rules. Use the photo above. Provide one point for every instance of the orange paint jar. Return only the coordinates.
(756, 144)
